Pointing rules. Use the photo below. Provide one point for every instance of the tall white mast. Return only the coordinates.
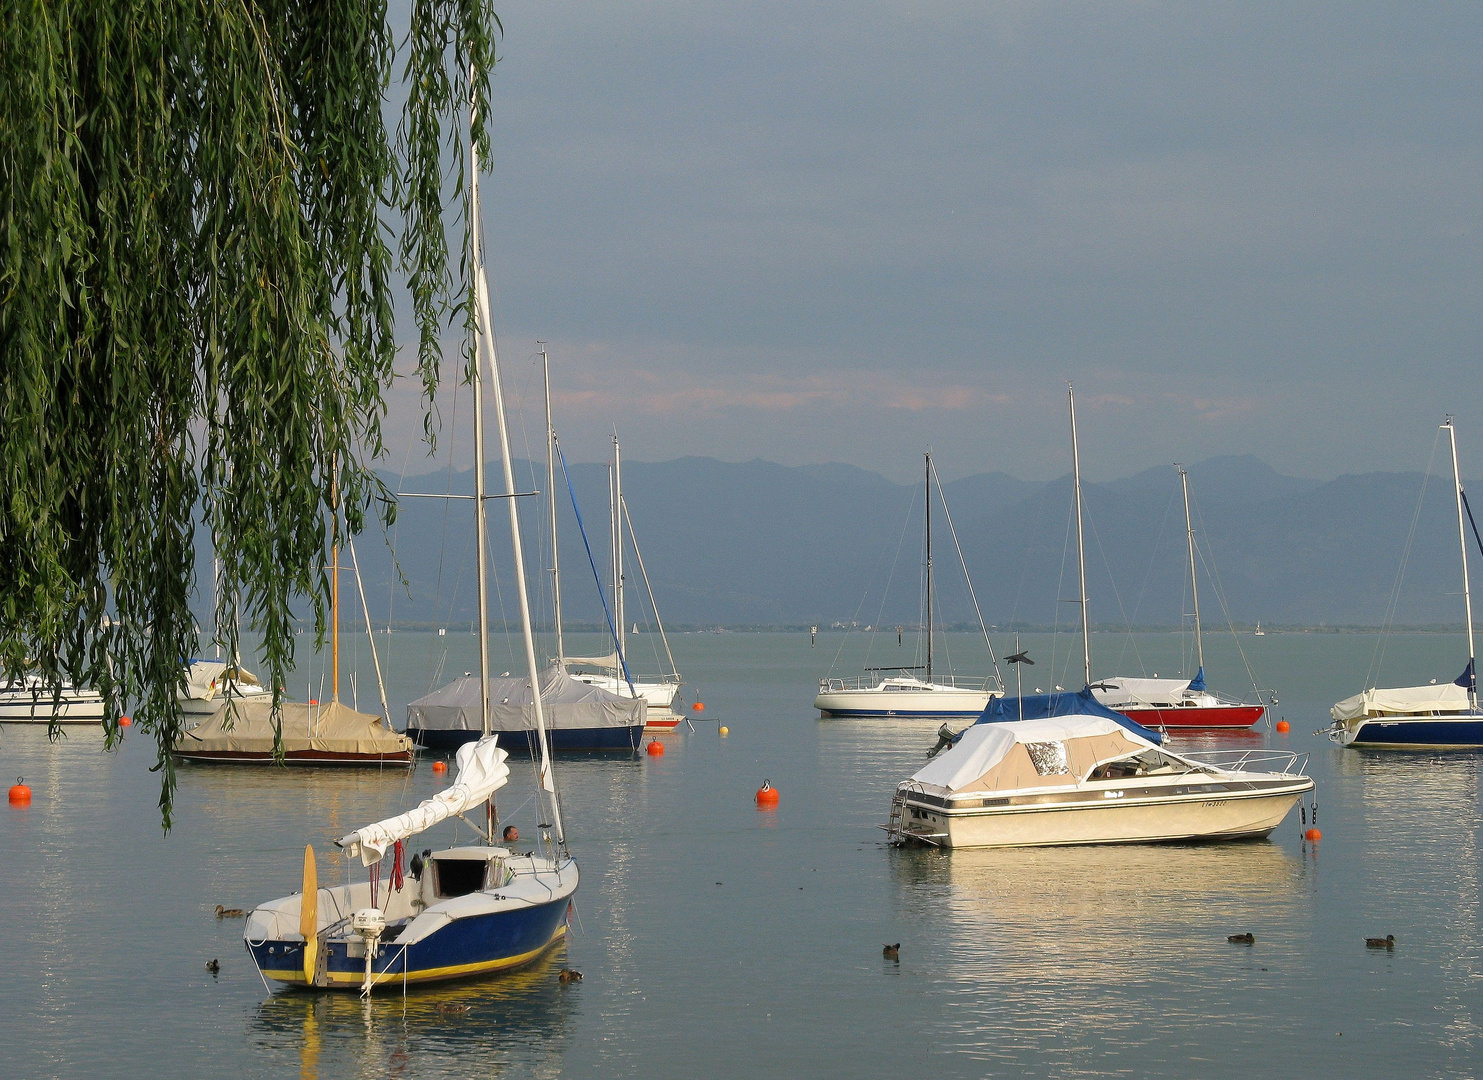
(482, 303)
(1081, 560)
(928, 507)
(618, 612)
(1462, 537)
(1194, 587)
(551, 498)
(481, 528)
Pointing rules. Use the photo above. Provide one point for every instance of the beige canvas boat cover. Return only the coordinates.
(1403, 701)
(246, 727)
(566, 704)
(1028, 753)
(205, 679)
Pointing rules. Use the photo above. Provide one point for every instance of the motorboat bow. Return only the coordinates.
(32, 701)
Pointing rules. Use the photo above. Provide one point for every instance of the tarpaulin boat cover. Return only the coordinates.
(567, 703)
(1159, 692)
(986, 757)
(205, 679)
(1062, 703)
(609, 661)
(246, 727)
(481, 772)
(1408, 700)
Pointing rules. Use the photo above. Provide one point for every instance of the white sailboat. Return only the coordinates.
(468, 910)
(906, 694)
(1443, 716)
(613, 672)
(31, 701)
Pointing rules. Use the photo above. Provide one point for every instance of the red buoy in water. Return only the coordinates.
(1313, 836)
(124, 721)
(1283, 727)
(699, 706)
(656, 748)
(440, 766)
(20, 794)
(767, 795)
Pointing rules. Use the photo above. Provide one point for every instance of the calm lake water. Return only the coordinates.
(719, 941)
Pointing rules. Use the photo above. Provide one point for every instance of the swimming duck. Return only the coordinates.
(892, 952)
(569, 976)
(213, 966)
(229, 912)
(1386, 942)
(452, 1008)
(1242, 939)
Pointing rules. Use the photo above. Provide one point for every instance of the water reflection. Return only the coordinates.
(482, 1027)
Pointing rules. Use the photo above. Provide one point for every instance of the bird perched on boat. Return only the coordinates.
(1242, 939)
(1386, 942)
(892, 952)
(229, 912)
(569, 976)
(1020, 658)
(213, 966)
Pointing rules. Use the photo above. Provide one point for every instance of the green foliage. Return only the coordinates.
(196, 247)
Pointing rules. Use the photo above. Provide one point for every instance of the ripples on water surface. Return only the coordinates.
(1062, 962)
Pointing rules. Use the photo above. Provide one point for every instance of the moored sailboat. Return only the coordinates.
(1431, 717)
(473, 909)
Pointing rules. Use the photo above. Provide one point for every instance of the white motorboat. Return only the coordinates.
(1089, 779)
(1430, 717)
(905, 694)
(31, 701)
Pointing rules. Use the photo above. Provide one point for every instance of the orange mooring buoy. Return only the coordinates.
(20, 794)
(767, 795)
(124, 721)
(1283, 727)
(1313, 836)
(656, 748)
(699, 706)
(440, 766)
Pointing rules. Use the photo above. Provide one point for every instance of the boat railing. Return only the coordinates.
(870, 682)
(1254, 760)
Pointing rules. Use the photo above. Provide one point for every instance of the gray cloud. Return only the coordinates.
(841, 231)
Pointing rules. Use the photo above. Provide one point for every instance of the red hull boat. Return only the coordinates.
(1197, 717)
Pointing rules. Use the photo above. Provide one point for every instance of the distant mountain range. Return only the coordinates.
(757, 543)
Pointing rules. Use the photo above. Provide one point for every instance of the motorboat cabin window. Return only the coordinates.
(459, 877)
(1147, 763)
(1049, 758)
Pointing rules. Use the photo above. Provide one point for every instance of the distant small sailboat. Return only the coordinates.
(1442, 716)
(1259, 632)
(905, 694)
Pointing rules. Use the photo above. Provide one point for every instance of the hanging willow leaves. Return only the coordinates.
(201, 212)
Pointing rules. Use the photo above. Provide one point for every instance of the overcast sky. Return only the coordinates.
(842, 231)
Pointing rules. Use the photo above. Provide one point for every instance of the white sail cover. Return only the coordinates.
(1445, 697)
(984, 746)
(1121, 691)
(481, 772)
(609, 661)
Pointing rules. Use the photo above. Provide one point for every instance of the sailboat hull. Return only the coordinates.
(1196, 717)
(623, 739)
(1460, 732)
(477, 945)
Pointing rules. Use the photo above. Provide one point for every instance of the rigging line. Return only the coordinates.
(542, 579)
(623, 502)
(1153, 558)
(370, 632)
(874, 576)
(1112, 584)
(886, 592)
(952, 529)
(1212, 571)
(1377, 655)
(601, 593)
(1040, 505)
(443, 541)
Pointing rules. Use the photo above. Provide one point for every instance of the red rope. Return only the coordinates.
(396, 866)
